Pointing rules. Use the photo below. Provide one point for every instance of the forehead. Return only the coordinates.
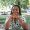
(15, 7)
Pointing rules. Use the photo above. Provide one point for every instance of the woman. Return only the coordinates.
(15, 16)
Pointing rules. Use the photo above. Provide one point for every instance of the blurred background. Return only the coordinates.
(5, 9)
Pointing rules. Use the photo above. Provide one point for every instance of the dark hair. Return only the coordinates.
(19, 9)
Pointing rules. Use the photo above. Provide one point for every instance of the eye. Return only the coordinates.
(16, 9)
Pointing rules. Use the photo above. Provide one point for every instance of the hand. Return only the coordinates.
(17, 17)
(21, 21)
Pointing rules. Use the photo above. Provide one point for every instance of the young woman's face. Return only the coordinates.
(15, 10)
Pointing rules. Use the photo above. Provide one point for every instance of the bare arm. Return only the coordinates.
(7, 23)
(23, 24)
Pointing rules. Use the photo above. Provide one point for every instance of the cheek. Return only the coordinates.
(17, 11)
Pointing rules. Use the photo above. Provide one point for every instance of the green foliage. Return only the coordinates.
(24, 3)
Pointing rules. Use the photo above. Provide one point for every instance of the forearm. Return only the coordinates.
(23, 24)
(7, 24)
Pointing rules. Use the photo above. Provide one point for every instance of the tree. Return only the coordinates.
(24, 3)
